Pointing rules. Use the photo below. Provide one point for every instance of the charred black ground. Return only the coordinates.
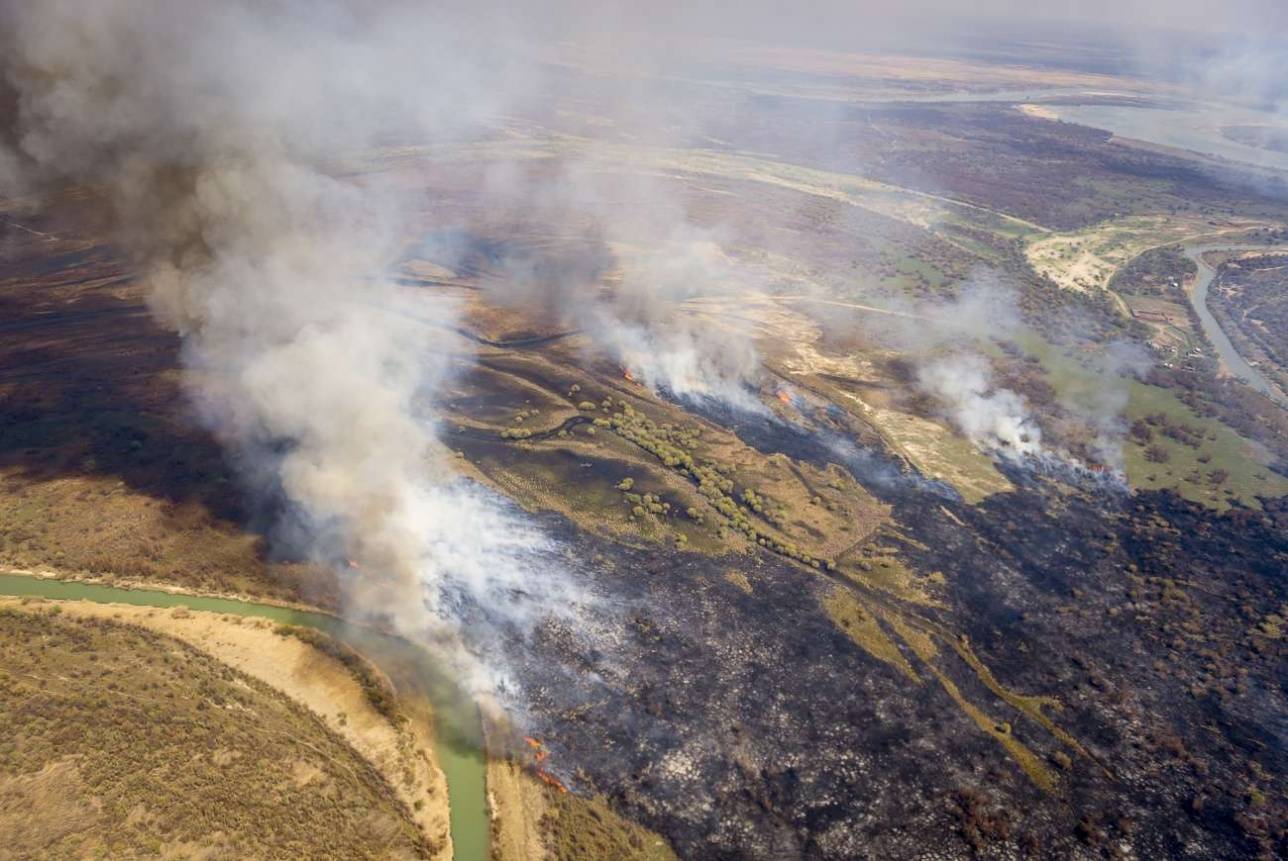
(745, 726)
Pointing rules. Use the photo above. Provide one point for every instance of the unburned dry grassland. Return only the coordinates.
(127, 742)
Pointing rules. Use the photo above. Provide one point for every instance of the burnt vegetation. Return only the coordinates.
(1150, 619)
(103, 466)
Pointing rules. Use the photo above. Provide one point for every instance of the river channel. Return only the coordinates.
(1225, 349)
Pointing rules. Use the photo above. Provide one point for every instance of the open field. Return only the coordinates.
(399, 751)
(1202, 460)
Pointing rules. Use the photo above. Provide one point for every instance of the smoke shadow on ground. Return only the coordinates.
(768, 433)
(92, 389)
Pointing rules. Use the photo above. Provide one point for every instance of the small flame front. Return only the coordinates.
(539, 755)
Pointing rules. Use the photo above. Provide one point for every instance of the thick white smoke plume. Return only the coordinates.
(950, 344)
(645, 327)
(208, 129)
(633, 283)
(945, 342)
(992, 417)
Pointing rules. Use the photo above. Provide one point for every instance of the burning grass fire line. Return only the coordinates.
(539, 755)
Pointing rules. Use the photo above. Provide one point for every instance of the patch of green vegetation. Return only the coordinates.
(1032, 706)
(1114, 194)
(875, 569)
(975, 242)
(739, 579)
(1001, 732)
(914, 273)
(1221, 468)
(674, 446)
(863, 627)
(557, 480)
(1157, 272)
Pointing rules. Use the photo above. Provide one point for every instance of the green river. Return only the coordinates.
(458, 735)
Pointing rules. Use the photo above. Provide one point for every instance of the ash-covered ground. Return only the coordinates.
(749, 726)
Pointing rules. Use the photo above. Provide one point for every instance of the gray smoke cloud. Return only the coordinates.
(633, 272)
(953, 348)
(989, 415)
(214, 132)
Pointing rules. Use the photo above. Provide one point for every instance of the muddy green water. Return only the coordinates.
(458, 736)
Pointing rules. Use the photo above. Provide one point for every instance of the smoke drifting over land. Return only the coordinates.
(630, 276)
(990, 416)
(668, 350)
(217, 134)
(207, 128)
(952, 345)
